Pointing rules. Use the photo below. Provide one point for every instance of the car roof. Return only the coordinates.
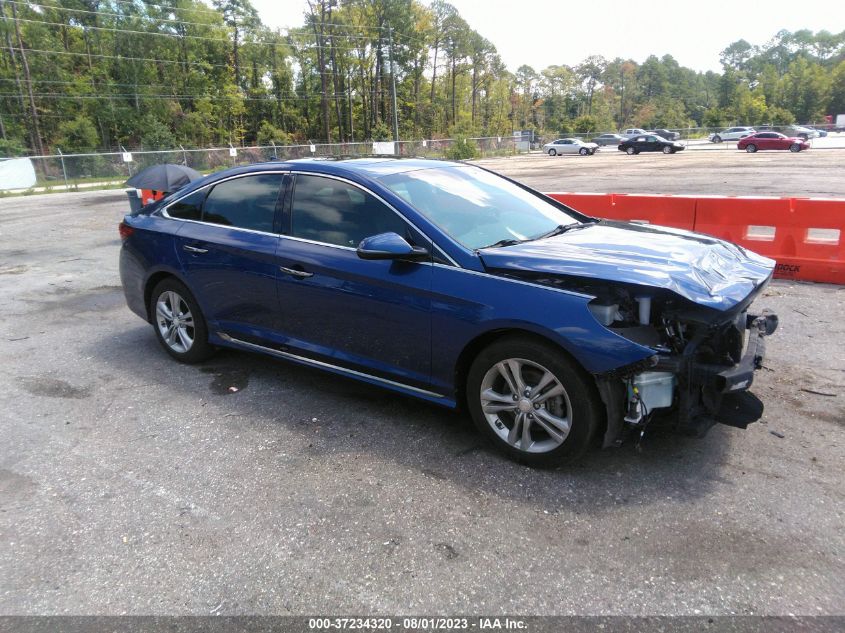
(373, 167)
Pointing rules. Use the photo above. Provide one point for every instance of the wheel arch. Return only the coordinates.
(481, 342)
(152, 281)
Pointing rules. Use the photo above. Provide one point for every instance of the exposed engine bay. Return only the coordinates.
(701, 355)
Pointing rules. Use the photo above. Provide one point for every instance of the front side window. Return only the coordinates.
(477, 208)
(334, 212)
(248, 202)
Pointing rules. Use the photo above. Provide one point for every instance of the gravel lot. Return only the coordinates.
(717, 172)
(132, 485)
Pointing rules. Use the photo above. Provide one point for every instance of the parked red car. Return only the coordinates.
(772, 140)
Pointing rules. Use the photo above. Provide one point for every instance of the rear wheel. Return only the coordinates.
(667, 149)
(583, 151)
(552, 152)
(178, 322)
(751, 148)
(795, 147)
(630, 151)
(532, 402)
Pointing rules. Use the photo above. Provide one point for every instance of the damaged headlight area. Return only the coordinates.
(702, 358)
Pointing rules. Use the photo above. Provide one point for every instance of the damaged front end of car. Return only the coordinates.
(703, 359)
(684, 297)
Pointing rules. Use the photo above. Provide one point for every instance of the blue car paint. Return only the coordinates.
(402, 325)
(705, 270)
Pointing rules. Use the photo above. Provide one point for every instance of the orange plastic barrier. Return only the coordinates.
(804, 235)
(677, 211)
(150, 195)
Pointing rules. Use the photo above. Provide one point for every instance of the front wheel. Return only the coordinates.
(552, 152)
(795, 147)
(630, 151)
(178, 322)
(583, 151)
(751, 148)
(717, 139)
(667, 150)
(532, 402)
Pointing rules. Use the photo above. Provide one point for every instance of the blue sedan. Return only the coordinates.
(450, 283)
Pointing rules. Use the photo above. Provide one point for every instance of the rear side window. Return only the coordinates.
(334, 212)
(246, 203)
(189, 207)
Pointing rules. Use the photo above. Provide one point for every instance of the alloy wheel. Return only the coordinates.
(526, 405)
(175, 321)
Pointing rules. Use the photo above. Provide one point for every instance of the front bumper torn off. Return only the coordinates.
(706, 393)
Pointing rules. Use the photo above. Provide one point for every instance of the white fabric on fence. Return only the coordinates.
(16, 173)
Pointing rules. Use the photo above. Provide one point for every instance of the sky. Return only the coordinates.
(545, 32)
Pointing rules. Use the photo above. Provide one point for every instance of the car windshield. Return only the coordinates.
(477, 208)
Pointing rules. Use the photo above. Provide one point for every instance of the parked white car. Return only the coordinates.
(570, 146)
(732, 134)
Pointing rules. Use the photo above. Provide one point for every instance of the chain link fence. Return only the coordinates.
(71, 171)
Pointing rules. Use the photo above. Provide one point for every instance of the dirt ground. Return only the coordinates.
(818, 173)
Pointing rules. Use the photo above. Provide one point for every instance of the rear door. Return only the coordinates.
(228, 254)
(365, 315)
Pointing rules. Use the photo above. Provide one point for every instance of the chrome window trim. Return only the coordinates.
(324, 365)
(163, 211)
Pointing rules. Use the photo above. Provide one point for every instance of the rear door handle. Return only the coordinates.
(296, 273)
(194, 249)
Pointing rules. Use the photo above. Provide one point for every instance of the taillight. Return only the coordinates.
(125, 230)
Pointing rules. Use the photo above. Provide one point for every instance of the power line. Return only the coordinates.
(116, 15)
(141, 95)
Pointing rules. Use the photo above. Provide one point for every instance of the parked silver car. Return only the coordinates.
(732, 134)
(570, 146)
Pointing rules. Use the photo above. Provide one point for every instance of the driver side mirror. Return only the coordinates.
(390, 246)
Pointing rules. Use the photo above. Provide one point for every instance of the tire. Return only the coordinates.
(583, 151)
(552, 152)
(668, 150)
(803, 136)
(561, 427)
(751, 148)
(795, 147)
(189, 342)
(630, 151)
(717, 139)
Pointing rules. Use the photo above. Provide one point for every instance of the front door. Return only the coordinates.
(370, 316)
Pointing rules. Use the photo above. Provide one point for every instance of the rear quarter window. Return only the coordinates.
(189, 207)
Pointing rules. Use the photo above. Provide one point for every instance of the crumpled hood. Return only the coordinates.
(703, 269)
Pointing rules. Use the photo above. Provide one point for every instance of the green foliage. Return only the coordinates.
(77, 136)
(269, 134)
(11, 147)
(462, 148)
(155, 134)
(779, 116)
(202, 74)
(586, 123)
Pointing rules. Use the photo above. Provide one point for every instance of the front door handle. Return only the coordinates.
(194, 249)
(296, 273)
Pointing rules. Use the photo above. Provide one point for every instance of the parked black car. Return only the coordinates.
(650, 143)
(669, 136)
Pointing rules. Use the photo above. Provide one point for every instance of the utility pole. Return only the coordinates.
(392, 84)
(36, 131)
